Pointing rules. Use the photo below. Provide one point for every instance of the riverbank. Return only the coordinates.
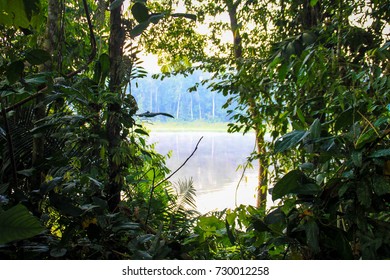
(187, 126)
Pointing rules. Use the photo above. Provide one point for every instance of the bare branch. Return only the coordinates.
(181, 166)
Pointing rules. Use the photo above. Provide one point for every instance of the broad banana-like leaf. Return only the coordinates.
(18, 223)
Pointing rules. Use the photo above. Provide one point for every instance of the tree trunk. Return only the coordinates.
(191, 109)
(50, 44)
(178, 105)
(213, 105)
(113, 126)
(259, 133)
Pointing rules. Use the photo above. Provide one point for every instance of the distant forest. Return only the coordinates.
(185, 98)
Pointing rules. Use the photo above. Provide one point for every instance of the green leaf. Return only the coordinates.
(102, 68)
(229, 232)
(260, 226)
(294, 182)
(58, 252)
(155, 18)
(290, 140)
(14, 12)
(363, 194)
(185, 15)
(380, 153)
(31, 7)
(140, 12)
(36, 80)
(275, 217)
(125, 226)
(283, 70)
(116, 4)
(4, 188)
(346, 119)
(365, 138)
(381, 185)
(313, 2)
(288, 184)
(37, 56)
(312, 233)
(18, 223)
(27, 172)
(141, 131)
(357, 158)
(65, 205)
(300, 116)
(315, 129)
(138, 29)
(15, 71)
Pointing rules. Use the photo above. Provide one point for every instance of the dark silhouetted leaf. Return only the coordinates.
(138, 29)
(15, 71)
(140, 12)
(37, 56)
(18, 223)
(189, 16)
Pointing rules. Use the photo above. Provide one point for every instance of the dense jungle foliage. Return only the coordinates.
(79, 181)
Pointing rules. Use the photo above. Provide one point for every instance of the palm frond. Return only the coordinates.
(186, 194)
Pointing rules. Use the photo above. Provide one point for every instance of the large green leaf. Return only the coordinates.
(37, 56)
(18, 223)
(294, 182)
(290, 140)
(18, 12)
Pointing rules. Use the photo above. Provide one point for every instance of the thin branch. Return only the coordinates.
(166, 179)
(27, 99)
(181, 166)
(93, 44)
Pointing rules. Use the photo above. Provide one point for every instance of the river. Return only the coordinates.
(213, 167)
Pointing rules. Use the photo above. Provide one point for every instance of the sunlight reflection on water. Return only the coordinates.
(213, 167)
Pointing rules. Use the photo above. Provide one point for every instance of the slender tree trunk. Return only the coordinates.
(50, 44)
(199, 106)
(178, 105)
(113, 126)
(191, 109)
(213, 105)
(259, 133)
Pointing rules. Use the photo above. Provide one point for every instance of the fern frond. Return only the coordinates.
(186, 194)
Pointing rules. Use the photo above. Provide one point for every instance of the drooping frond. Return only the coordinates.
(186, 194)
